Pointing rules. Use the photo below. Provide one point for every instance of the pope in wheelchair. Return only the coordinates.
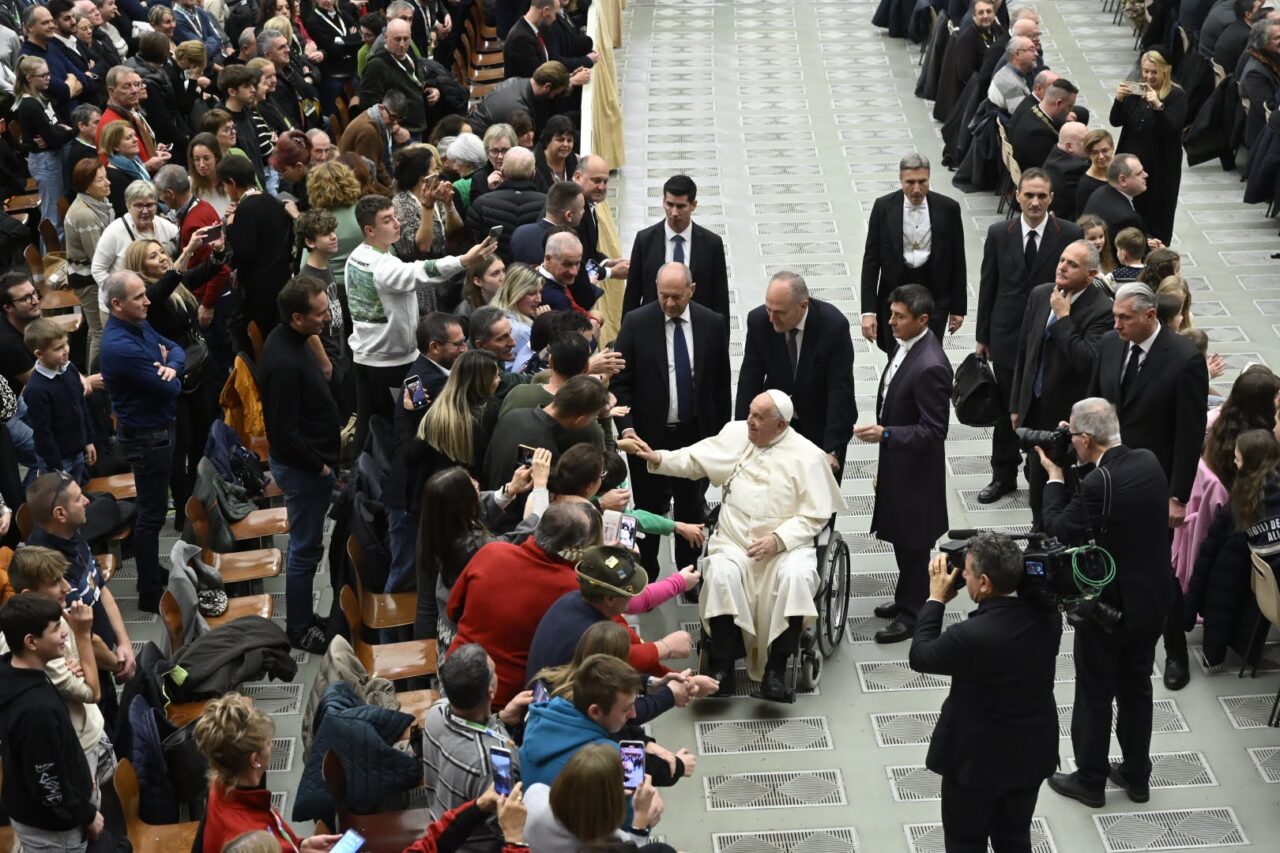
(760, 575)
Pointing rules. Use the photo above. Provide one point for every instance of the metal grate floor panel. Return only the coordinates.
(774, 789)
(131, 614)
(1247, 712)
(794, 734)
(914, 783)
(275, 698)
(842, 839)
(1014, 500)
(282, 749)
(928, 838)
(1173, 829)
(1170, 770)
(862, 629)
(1270, 661)
(872, 584)
(1267, 760)
(912, 728)
(885, 676)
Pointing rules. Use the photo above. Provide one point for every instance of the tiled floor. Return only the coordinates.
(792, 117)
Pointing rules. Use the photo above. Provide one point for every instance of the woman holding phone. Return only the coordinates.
(423, 203)
(1151, 119)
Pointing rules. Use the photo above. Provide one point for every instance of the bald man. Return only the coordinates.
(1065, 164)
(1034, 133)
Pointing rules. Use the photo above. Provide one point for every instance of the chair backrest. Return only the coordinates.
(199, 521)
(351, 612)
(356, 555)
(24, 520)
(1265, 589)
(171, 614)
(255, 340)
(335, 781)
(35, 263)
(126, 785)
(49, 234)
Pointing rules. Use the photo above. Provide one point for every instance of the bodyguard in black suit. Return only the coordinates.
(996, 739)
(1126, 179)
(1122, 503)
(1064, 324)
(1065, 164)
(592, 175)
(908, 245)
(678, 239)
(802, 347)
(1010, 269)
(1158, 381)
(677, 384)
(913, 408)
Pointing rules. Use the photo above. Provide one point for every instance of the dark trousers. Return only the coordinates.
(655, 493)
(377, 390)
(1112, 666)
(1175, 635)
(1005, 456)
(920, 275)
(913, 582)
(150, 457)
(1036, 475)
(972, 815)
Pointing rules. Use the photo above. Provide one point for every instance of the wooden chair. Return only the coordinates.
(341, 117)
(247, 605)
(53, 299)
(119, 486)
(236, 566)
(259, 524)
(384, 832)
(380, 610)
(1013, 172)
(35, 263)
(417, 703)
(23, 202)
(255, 340)
(145, 837)
(394, 661)
(63, 207)
(49, 234)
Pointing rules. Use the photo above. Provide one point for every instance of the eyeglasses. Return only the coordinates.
(144, 205)
(461, 343)
(39, 76)
(32, 297)
(498, 152)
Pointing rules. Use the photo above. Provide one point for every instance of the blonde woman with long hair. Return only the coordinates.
(1151, 118)
(453, 428)
(521, 298)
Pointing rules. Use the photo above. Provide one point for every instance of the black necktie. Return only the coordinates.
(677, 252)
(684, 372)
(1130, 372)
(793, 350)
(1029, 256)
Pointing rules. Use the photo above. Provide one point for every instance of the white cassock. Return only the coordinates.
(786, 488)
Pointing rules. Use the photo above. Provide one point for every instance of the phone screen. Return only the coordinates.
(418, 394)
(593, 269)
(350, 842)
(502, 781)
(496, 232)
(524, 455)
(540, 693)
(627, 531)
(632, 764)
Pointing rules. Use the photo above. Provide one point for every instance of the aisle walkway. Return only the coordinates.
(791, 117)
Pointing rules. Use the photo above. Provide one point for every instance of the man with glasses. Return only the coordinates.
(20, 303)
(58, 507)
(143, 375)
(1009, 85)
(376, 132)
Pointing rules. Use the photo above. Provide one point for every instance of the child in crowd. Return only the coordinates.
(1217, 364)
(48, 789)
(317, 232)
(1131, 247)
(56, 410)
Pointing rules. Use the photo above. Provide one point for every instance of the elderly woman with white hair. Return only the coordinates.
(139, 222)
(466, 155)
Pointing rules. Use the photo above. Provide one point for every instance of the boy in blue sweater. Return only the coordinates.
(56, 409)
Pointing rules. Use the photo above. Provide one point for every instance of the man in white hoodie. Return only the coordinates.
(383, 292)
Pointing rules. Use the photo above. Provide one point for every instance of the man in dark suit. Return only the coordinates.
(1126, 180)
(678, 239)
(996, 739)
(1064, 165)
(1034, 134)
(1158, 381)
(565, 206)
(801, 346)
(1121, 504)
(1013, 262)
(677, 384)
(964, 56)
(914, 236)
(525, 47)
(913, 408)
(592, 175)
(1058, 344)
(1043, 80)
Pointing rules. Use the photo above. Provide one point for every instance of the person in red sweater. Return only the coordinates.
(174, 186)
(235, 738)
(454, 827)
(503, 592)
(124, 103)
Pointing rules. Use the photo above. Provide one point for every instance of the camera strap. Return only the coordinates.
(1106, 503)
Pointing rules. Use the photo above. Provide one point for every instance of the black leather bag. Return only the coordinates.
(976, 396)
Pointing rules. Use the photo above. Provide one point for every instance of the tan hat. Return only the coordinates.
(612, 570)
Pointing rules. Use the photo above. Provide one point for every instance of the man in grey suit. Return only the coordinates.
(1018, 255)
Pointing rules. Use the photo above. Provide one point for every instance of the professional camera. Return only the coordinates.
(1055, 442)
(1054, 576)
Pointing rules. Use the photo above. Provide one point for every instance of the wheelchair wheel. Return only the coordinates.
(834, 607)
(810, 669)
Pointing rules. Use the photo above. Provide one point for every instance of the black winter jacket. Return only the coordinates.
(511, 205)
(220, 661)
(168, 122)
(47, 780)
(382, 74)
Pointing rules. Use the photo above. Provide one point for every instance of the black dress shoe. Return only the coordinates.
(895, 632)
(1137, 793)
(1069, 785)
(1176, 673)
(888, 610)
(773, 686)
(725, 676)
(994, 491)
(149, 603)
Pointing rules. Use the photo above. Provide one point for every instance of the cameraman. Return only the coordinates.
(997, 737)
(1123, 505)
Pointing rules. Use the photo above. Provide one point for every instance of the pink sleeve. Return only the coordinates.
(656, 593)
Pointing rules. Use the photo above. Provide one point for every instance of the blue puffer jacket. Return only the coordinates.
(364, 737)
(553, 732)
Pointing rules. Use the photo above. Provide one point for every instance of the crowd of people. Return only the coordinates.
(404, 312)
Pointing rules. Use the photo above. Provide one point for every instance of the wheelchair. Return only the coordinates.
(820, 640)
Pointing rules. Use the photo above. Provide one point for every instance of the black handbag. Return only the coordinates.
(976, 396)
(197, 355)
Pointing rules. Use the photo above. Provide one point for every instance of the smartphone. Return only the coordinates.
(496, 232)
(593, 270)
(627, 532)
(350, 842)
(612, 520)
(214, 233)
(540, 693)
(501, 760)
(433, 178)
(524, 455)
(1136, 86)
(632, 764)
(418, 394)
